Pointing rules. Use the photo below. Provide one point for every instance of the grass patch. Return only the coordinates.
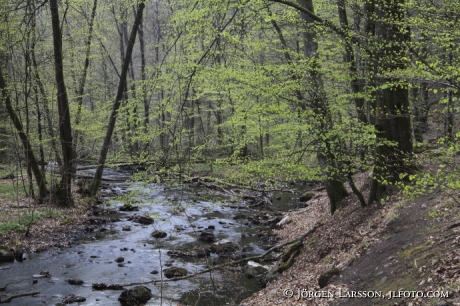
(412, 251)
(10, 190)
(11, 227)
(23, 221)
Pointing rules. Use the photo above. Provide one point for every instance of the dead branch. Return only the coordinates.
(4, 287)
(10, 298)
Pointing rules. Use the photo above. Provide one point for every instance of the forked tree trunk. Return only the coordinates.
(96, 183)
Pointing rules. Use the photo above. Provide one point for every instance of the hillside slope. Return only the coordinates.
(402, 245)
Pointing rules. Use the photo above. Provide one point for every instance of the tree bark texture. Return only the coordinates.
(334, 184)
(64, 195)
(392, 111)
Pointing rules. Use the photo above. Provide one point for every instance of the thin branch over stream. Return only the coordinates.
(275, 248)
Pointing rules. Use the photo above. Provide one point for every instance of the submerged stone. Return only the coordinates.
(72, 298)
(145, 220)
(159, 234)
(75, 281)
(207, 236)
(139, 295)
(175, 272)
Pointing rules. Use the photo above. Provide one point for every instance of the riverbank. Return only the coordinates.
(402, 246)
(29, 226)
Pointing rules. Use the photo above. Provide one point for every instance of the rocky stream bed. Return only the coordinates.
(155, 233)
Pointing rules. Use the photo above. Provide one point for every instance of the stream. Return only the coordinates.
(183, 212)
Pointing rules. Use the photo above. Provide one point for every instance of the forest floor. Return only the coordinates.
(28, 226)
(408, 252)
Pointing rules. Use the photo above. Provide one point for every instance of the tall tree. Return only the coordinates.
(28, 151)
(96, 183)
(334, 181)
(64, 194)
(84, 74)
(393, 111)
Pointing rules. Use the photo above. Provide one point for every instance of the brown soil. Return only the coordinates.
(402, 245)
(57, 226)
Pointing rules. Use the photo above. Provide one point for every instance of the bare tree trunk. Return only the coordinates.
(28, 152)
(95, 184)
(81, 85)
(143, 86)
(64, 195)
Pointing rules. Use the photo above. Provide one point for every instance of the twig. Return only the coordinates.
(10, 298)
(4, 287)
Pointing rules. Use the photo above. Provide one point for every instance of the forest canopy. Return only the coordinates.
(272, 89)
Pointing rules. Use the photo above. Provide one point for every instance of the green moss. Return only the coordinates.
(67, 221)
(292, 248)
(409, 253)
(312, 241)
(283, 266)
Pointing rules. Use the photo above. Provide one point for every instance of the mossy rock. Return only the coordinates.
(307, 196)
(6, 254)
(139, 295)
(175, 272)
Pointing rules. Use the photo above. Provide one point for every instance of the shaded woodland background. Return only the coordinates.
(271, 89)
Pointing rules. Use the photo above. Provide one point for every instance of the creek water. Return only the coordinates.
(182, 212)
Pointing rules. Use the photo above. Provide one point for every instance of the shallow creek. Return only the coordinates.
(182, 212)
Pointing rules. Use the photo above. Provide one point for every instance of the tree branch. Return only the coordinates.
(10, 298)
(316, 18)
